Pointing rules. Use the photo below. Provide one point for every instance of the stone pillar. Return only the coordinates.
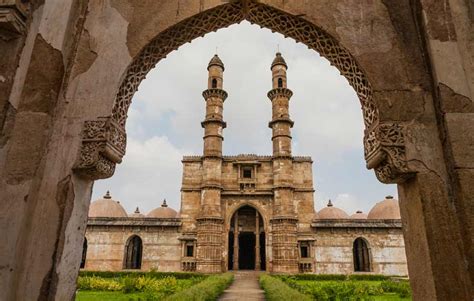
(236, 242)
(284, 222)
(210, 222)
(257, 241)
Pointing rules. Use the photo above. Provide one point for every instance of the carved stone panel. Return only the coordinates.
(103, 146)
(384, 148)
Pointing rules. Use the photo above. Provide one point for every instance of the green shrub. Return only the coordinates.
(402, 288)
(98, 284)
(208, 289)
(275, 289)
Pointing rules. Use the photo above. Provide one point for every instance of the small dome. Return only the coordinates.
(359, 215)
(163, 212)
(215, 61)
(137, 213)
(279, 60)
(386, 209)
(106, 207)
(331, 212)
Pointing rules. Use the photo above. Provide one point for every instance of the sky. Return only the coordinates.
(164, 120)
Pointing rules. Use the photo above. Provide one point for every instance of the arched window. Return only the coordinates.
(214, 83)
(133, 253)
(84, 253)
(361, 255)
(280, 83)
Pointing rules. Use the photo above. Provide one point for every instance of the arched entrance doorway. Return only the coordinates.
(246, 240)
(361, 256)
(133, 253)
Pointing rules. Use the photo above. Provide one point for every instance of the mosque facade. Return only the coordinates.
(246, 212)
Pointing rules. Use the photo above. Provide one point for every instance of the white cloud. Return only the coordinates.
(151, 171)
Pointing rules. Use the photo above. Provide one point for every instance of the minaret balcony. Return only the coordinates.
(282, 92)
(214, 92)
(281, 119)
(214, 120)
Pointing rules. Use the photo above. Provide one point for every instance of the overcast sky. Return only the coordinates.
(164, 120)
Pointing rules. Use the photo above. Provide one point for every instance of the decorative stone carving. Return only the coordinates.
(103, 146)
(214, 93)
(12, 19)
(385, 152)
(282, 92)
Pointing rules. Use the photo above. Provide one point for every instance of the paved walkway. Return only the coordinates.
(245, 287)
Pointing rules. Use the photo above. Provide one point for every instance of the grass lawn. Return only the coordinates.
(107, 296)
(390, 297)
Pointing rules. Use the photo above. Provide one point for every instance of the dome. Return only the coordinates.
(215, 61)
(359, 215)
(163, 212)
(279, 60)
(331, 212)
(137, 213)
(386, 209)
(106, 207)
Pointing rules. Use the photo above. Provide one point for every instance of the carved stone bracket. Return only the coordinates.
(103, 146)
(384, 148)
(12, 19)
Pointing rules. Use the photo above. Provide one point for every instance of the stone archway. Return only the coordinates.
(415, 67)
(246, 240)
(105, 139)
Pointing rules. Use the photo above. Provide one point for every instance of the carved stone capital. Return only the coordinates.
(103, 146)
(384, 148)
(12, 20)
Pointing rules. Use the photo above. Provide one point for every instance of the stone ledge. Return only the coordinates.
(134, 221)
(351, 223)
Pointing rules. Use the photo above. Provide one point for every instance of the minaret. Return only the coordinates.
(210, 221)
(284, 221)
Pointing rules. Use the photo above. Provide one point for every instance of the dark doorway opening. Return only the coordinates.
(361, 256)
(133, 253)
(84, 253)
(246, 251)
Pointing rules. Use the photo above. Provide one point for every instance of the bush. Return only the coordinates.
(98, 284)
(208, 289)
(402, 288)
(275, 290)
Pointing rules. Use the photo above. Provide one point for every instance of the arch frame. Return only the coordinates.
(104, 139)
(125, 253)
(369, 254)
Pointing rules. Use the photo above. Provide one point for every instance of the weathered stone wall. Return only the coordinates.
(106, 247)
(334, 251)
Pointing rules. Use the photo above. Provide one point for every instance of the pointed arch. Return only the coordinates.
(361, 255)
(133, 253)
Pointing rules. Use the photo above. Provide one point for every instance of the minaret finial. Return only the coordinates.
(164, 203)
(107, 195)
(329, 203)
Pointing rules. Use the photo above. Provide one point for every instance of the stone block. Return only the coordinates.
(460, 128)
